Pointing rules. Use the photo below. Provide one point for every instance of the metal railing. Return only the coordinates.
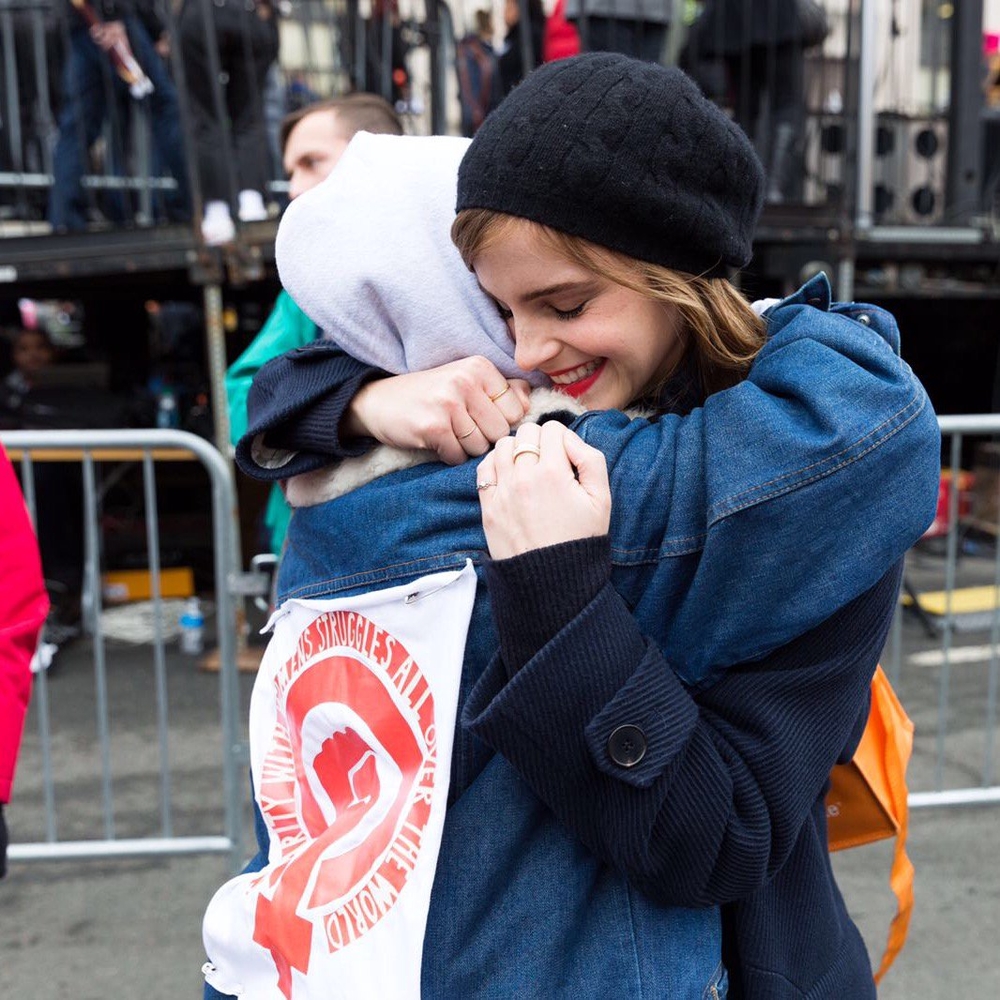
(327, 48)
(944, 652)
(126, 759)
(886, 125)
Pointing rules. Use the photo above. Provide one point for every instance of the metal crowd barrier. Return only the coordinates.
(146, 786)
(943, 655)
(943, 659)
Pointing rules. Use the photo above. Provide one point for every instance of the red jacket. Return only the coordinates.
(23, 607)
(561, 39)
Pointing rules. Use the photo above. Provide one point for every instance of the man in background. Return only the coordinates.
(313, 139)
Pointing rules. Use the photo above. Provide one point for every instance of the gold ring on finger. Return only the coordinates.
(468, 433)
(526, 449)
(494, 398)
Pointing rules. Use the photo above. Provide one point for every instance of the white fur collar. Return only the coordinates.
(312, 488)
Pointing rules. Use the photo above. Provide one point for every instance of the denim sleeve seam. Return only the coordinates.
(677, 547)
(793, 480)
(380, 574)
(766, 491)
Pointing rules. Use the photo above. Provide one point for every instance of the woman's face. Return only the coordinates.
(599, 342)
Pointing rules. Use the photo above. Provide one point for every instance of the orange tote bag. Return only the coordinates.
(867, 801)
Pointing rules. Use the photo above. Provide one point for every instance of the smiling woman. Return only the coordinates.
(626, 323)
(596, 340)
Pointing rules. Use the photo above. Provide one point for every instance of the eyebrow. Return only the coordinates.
(540, 293)
(562, 286)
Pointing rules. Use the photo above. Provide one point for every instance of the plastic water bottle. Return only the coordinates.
(192, 627)
(166, 412)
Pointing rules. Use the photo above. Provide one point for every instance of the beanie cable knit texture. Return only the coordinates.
(627, 154)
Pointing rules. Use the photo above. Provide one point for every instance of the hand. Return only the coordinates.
(558, 495)
(109, 34)
(162, 46)
(457, 410)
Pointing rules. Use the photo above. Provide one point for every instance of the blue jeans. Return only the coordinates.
(93, 92)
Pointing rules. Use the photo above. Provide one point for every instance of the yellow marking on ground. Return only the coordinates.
(964, 601)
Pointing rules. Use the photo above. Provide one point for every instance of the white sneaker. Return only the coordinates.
(252, 207)
(217, 224)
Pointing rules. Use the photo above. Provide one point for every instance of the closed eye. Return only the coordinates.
(569, 313)
(505, 313)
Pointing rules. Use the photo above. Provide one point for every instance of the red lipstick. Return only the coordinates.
(577, 389)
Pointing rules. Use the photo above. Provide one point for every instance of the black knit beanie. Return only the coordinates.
(623, 153)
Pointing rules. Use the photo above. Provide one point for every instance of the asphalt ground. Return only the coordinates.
(100, 929)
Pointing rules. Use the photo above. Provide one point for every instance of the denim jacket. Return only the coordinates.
(734, 529)
(792, 492)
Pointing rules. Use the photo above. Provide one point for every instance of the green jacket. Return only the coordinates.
(286, 328)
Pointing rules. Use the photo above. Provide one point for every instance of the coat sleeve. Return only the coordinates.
(728, 774)
(294, 408)
(23, 607)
